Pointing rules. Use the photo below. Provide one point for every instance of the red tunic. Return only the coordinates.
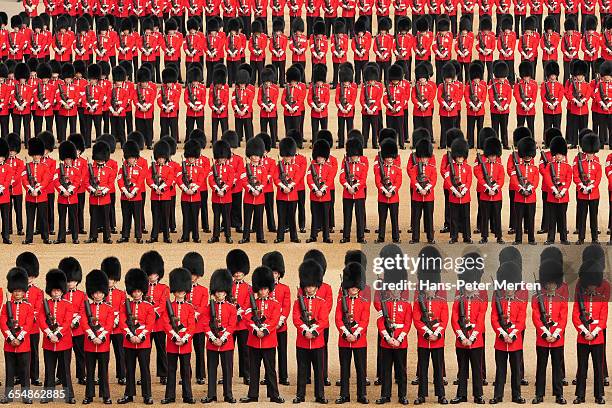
(438, 311)
(102, 315)
(282, 294)
(532, 176)
(425, 191)
(562, 183)
(116, 298)
(460, 190)
(400, 319)
(199, 299)
(394, 174)
(269, 309)
(325, 177)
(475, 310)
(185, 315)
(226, 321)
(61, 314)
(23, 314)
(588, 189)
(596, 308)
(359, 316)
(514, 312)
(157, 295)
(144, 317)
(319, 314)
(555, 308)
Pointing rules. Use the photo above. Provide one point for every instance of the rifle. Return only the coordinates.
(543, 157)
(305, 314)
(215, 322)
(100, 43)
(139, 95)
(12, 324)
(190, 94)
(218, 180)
(50, 319)
(421, 176)
(31, 179)
(576, 93)
(584, 178)
(315, 95)
(157, 180)
(350, 177)
(547, 43)
(524, 183)
(126, 178)
(185, 177)
(473, 95)
(496, 97)
(445, 95)
(282, 174)
(390, 97)
(426, 315)
(384, 179)
(585, 318)
(18, 97)
(40, 93)
(258, 317)
(553, 175)
(419, 94)
(463, 321)
(342, 95)
(526, 99)
(502, 320)
(453, 173)
(89, 97)
(485, 173)
(440, 45)
(288, 97)
(58, 42)
(602, 92)
(544, 316)
(115, 98)
(481, 41)
(93, 181)
(547, 94)
(164, 96)
(238, 99)
(63, 180)
(252, 180)
(130, 320)
(93, 322)
(389, 325)
(347, 318)
(316, 179)
(216, 99)
(176, 324)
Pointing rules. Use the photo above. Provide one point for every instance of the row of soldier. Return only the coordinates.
(186, 317)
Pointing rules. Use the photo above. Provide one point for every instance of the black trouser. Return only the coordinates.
(316, 124)
(320, 219)
(246, 25)
(490, 215)
(286, 218)
(582, 208)
(159, 337)
(34, 366)
(501, 362)
(131, 210)
(16, 203)
(526, 120)
(240, 337)
(359, 66)
(101, 360)
(78, 346)
(58, 361)
(465, 359)
(210, 67)
(597, 353)
(345, 123)
(185, 361)
(5, 213)
(226, 359)
(106, 121)
(425, 209)
(17, 121)
(117, 340)
(256, 355)
(204, 210)
(574, 124)
(474, 124)
(253, 213)
(118, 128)
(393, 358)
(38, 123)
(383, 68)
(525, 213)
(301, 208)
(360, 356)
(545, 207)
(556, 359)
(423, 122)
(232, 70)
(71, 210)
(38, 211)
(281, 349)
(270, 126)
(244, 128)
(16, 365)
(305, 359)
(160, 210)
(145, 126)
(269, 207)
(216, 123)
(190, 211)
(193, 122)
(4, 125)
(460, 220)
(95, 121)
(551, 121)
(347, 210)
(293, 123)
(169, 126)
(51, 210)
(199, 342)
(370, 122)
(257, 67)
(100, 217)
(279, 66)
(602, 124)
(177, 66)
(499, 123)
(143, 355)
(446, 123)
(436, 355)
(393, 210)
(397, 123)
(557, 221)
(221, 210)
(61, 124)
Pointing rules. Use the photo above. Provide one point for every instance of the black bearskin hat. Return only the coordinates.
(143, 75)
(476, 70)
(500, 69)
(255, 147)
(194, 75)
(136, 279)
(78, 141)
(339, 26)
(268, 75)
(421, 24)
(293, 75)
(443, 23)
(287, 147)
(111, 266)
(371, 73)
(43, 71)
(319, 73)
(17, 279)
(219, 75)
(266, 139)
(262, 278)
(231, 137)
(448, 70)
(387, 133)
(96, 281)
(558, 145)
(451, 135)
(527, 148)
(384, 24)
(591, 274)
(525, 69)
(275, 261)
(28, 261)
(388, 149)
(55, 279)
(192, 149)
(520, 133)
(194, 263)
(509, 272)
(530, 23)
(72, 269)
(67, 150)
(550, 134)
(423, 148)
(180, 280)
(325, 134)
(194, 24)
(354, 147)
(243, 77)
(465, 23)
(352, 276)
(152, 263)
(278, 25)
(590, 22)
(221, 281)
(130, 149)
(94, 71)
(396, 72)
(317, 256)
(169, 75)
(510, 254)
(590, 143)
(404, 24)
(221, 150)
(67, 71)
(459, 148)
(310, 273)
(473, 269)
(605, 69)
(551, 271)
(161, 149)
(578, 67)
(22, 71)
(361, 24)
(319, 27)
(297, 25)
(109, 140)
(320, 149)
(48, 139)
(594, 252)
(506, 22)
(237, 261)
(421, 70)
(550, 23)
(36, 147)
(198, 135)
(419, 134)
(485, 23)
(14, 142)
(137, 137)
(492, 147)
(100, 151)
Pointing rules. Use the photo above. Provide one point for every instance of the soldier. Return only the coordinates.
(353, 176)
(220, 181)
(589, 314)
(6, 180)
(168, 100)
(552, 93)
(486, 44)
(218, 100)
(423, 179)
(525, 94)
(158, 293)
(423, 95)
(345, 100)
(383, 47)
(267, 99)
(137, 321)
(131, 181)
(310, 317)
(258, 42)
(578, 92)
(35, 179)
(465, 44)
(458, 179)
(430, 317)
(97, 322)
(339, 44)
(442, 46)
(17, 337)
(508, 321)
(67, 181)
(16, 189)
(556, 180)
(361, 43)
(44, 97)
(179, 325)
(468, 322)
(549, 315)
(252, 181)
(219, 319)
(242, 103)
(530, 39)
(393, 324)
(66, 102)
(161, 179)
(395, 101)
(524, 178)
(388, 179)
(57, 342)
(449, 95)
(500, 97)
(352, 318)
(318, 99)
(332, 161)
(587, 176)
(100, 178)
(93, 103)
(298, 43)
(320, 178)
(190, 179)
(370, 98)
(489, 173)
